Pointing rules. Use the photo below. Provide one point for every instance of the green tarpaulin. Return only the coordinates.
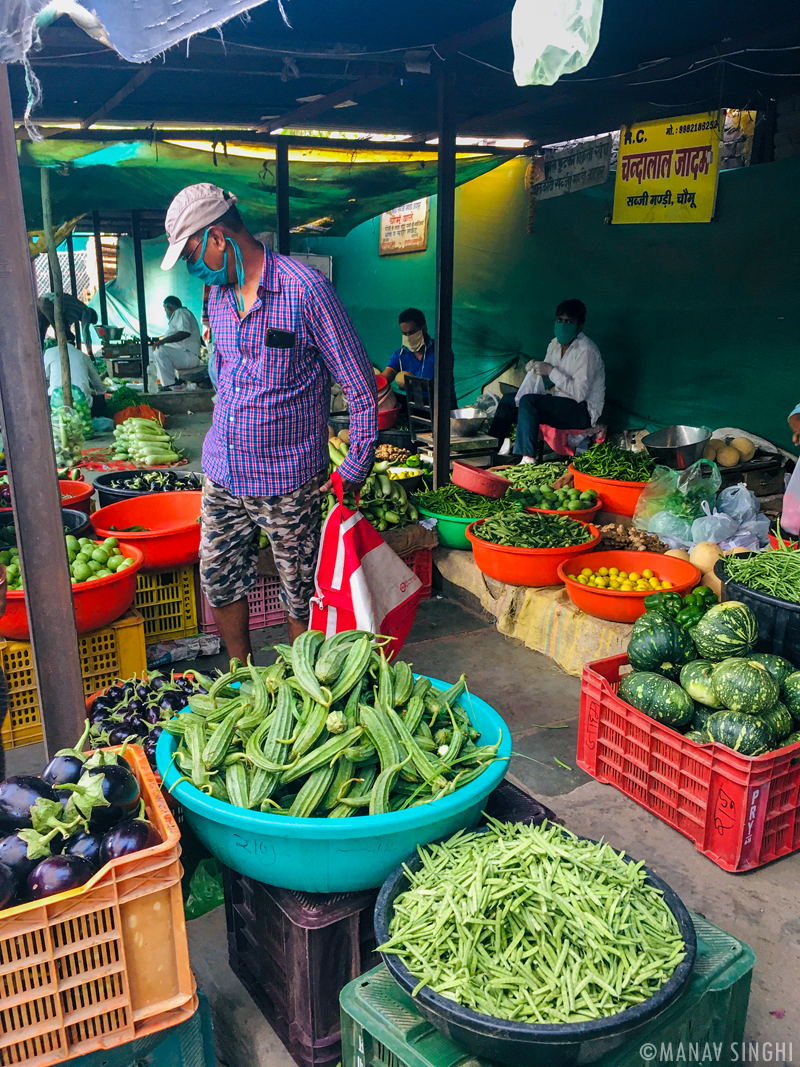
(326, 184)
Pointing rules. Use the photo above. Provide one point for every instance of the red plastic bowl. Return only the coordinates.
(97, 603)
(387, 419)
(524, 566)
(479, 481)
(617, 605)
(620, 498)
(584, 515)
(790, 542)
(77, 496)
(172, 537)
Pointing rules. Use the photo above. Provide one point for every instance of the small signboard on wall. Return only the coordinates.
(667, 170)
(404, 229)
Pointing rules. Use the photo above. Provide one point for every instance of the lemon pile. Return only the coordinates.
(624, 581)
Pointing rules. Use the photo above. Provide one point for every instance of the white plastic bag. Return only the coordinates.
(665, 524)
(713, 526)
(487, 403)
(738, 502)
(553, 37)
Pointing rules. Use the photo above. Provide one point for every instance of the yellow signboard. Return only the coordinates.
(667, 169)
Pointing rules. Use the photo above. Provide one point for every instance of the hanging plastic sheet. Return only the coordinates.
(553, 37)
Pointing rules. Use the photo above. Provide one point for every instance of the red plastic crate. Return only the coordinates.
(264, 599)
(740, 811)
(421, 563)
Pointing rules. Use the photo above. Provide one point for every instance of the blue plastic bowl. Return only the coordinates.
(333, 855)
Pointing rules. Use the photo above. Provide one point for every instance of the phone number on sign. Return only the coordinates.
(693, 127)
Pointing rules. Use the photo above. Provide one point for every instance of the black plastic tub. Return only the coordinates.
(107, 495)
(778, 620)
(74, 522)
(525, 1044)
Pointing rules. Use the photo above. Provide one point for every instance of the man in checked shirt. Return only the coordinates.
(280, 335)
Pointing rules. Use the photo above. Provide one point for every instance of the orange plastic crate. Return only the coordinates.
(104, 964)
(740, 811)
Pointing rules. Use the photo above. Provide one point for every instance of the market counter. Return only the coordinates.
(544, 618)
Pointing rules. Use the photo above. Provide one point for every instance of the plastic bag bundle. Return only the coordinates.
(666, 525)
(67, 436)
(713, 526)
(738, 502)
(682, 493)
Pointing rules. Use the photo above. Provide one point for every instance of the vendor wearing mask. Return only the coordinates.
(575, 396)
(416, 353)
(179, 347)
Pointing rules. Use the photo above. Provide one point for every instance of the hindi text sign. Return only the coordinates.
(404, 229)
(578, 167)
(667, 170)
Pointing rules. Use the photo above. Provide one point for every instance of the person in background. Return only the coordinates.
(565, 390)
(88, 391)
(281, 334)
(416, 353)
(73, 311)
(794, 425)
(179, 347)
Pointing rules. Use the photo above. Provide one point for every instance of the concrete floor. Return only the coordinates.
(540, 704)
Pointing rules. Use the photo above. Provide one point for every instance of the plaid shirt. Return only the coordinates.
(269, 434)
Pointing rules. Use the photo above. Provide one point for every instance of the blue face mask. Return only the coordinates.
(200, 269)
(566, 332)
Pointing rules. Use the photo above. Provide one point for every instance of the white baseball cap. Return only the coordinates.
(191, 210)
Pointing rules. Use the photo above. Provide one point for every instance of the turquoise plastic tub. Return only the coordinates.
(334, 855)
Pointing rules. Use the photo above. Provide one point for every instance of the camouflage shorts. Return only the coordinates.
(229, 543)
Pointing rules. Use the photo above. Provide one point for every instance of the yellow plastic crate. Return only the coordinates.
(168, 604)
(115, 651)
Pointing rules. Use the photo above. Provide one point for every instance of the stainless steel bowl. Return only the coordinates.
(465, 422)
(677, 446)
(109, 333)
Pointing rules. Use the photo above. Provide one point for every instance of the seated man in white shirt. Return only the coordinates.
(576, 394)
(179, 347)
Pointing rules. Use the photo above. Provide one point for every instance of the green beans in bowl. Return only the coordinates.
(528, 549)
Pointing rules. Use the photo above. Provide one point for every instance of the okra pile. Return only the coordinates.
(330, 730)
(535, 925)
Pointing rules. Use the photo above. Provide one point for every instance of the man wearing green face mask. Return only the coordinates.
(566, 390)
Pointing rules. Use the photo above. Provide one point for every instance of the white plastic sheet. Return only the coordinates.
(553, 37)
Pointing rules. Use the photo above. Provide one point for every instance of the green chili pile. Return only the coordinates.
(459, 503)
(529, 475)
(608, 461)
(532, 924)
(331, 730)
(776, 572)
(533, 531)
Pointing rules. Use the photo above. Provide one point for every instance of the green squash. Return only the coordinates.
(778, 667)
(700, 737)
(727, 629)
(658, 697)
(747, 734)
(779, 720)
(659, 645)
(792, 739)
(701, 716)
(744, 685)
(791, 693)
(695, 678)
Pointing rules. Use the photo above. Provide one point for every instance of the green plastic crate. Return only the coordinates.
(190, 1044)
(381, 1027)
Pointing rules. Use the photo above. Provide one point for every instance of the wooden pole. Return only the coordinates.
(140, 294)
(445, 241)
(101, 278)
(58, 288)
(25, 419)
(282, 195)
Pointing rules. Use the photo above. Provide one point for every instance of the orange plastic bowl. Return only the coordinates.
(479, 481)
(96, 603)
(524, 566)
(614, 604)
(76, 495)
(620, 498)
(172, 535)
(388, 419)
(584, 515)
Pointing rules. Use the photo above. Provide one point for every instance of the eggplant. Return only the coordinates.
(130, 835)
(120, 789)
(142, 692)
(102, 703)
(185, 685)
(87, 846)
(18, 794)
(200, 689)
(97, 718)
(63, 769)
(152, 716)
(134, 706)
(57, 874)
(8, 886)
(149, 748)
(114, 694)
(172, 701)
(157, 683)
(120, 734)
(14, 855)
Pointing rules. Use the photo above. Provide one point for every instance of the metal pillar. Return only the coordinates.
(445, 239)
(73, 277)
(282, 195)
(25, 418)
(140, 295)
(101, 278)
